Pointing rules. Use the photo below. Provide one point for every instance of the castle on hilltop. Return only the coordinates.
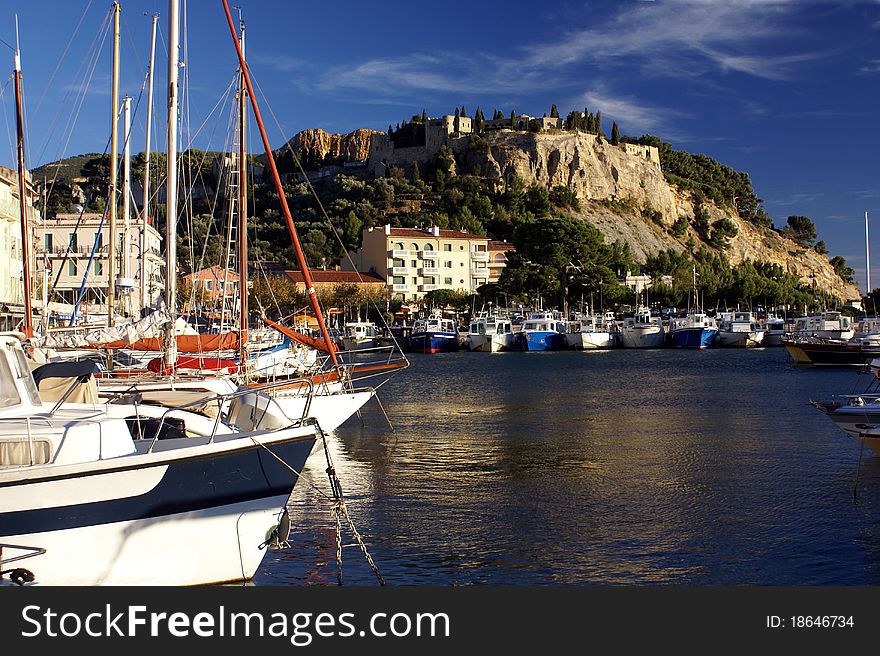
(434, 133)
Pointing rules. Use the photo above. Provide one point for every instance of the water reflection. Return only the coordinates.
(624, 467)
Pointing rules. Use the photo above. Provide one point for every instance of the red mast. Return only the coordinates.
(22, 190)
(300, 256)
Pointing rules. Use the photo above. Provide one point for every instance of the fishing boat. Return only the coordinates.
(774, 330)
(358, 335)
(433, 335)
(642, 330)
(542, 331)
(694, 330)
(739, 329)
(489, 334)
(588, 332)
(129, 493)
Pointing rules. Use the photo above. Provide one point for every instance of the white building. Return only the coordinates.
(11, 284)
(75, 248)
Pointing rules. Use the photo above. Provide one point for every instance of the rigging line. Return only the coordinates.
(6, 123)
(74, 117)
(320, 204)
(63, 55)
(87, 66)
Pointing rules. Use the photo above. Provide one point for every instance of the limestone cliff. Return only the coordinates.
(620, 190)
(352, 147)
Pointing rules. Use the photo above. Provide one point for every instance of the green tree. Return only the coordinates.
(615, 134)
(478, 120)
(554, 112)
(800, 229)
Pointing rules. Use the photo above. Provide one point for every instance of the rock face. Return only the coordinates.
(352, 147)
(620, 192)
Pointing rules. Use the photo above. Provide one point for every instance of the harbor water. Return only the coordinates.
(621, 467)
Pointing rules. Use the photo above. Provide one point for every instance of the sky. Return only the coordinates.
(786, 91)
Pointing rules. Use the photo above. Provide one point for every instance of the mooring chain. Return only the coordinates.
(339, 509)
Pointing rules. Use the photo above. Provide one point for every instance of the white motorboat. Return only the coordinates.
(642, 330)
(128, 493)
(490, 335)
(739, 329)
(588, 332)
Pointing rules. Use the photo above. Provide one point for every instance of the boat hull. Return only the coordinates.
(773, 338)
(642, 337)
(698, 338)
(492, 343)
(191, 516)
(433, 343)
(829, 354)
(589, 341)
(540, 340)
(737, 339)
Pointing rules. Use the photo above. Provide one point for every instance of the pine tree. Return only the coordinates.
(463, 112)
(615, 134)
(599, 123)
(424, 116)
(554, 112)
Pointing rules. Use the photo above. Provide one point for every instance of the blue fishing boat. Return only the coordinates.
(433, 335)
(542, 331)
(696, 330)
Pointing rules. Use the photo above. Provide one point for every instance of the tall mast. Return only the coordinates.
(114, 163)
(171, 184)
(145, 212)
(242, 212)
(126, 193)
(300, 256)
(867, 256)
(22, 196)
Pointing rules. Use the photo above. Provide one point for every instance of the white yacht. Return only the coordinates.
(642, 330)
(739, 329)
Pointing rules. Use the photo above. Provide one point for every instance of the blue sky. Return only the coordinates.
(787, 91)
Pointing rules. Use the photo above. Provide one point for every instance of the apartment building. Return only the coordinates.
(415, 261)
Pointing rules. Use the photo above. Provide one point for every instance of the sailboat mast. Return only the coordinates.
(867, 257)
(171, 184)
(114, 163)
(126, 191)
(300, 256)
(22, 197)
(242, 212)
(145, 213)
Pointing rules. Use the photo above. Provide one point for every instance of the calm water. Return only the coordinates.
(618, 467)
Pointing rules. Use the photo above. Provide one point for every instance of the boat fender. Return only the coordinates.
(19, 575)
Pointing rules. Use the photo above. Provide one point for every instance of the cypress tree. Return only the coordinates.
(512, 119)
(456, 122)
(615, 134)
(478, 120)
(463, 112)
(599, 123)
(554, 112)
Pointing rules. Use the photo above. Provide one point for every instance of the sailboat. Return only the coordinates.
(125, 493)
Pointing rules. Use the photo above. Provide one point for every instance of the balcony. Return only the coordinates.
(430, 255)
(429, 270)
(400, 288)
(479, 256)
(399, 271)
(480, 272)
(399, 255)
(427, 288)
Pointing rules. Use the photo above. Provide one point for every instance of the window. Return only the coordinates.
(429, 247)
(398, 280)
(71, 267)
(99, 240)
(429, 280)
(414, 247)
(209, 285)
(398, 263)
(447, 281)
(461, 247)
(398, 246)
(99, 268)
(447, 247)
(415, 280)
(48, 241)
(447, 264)
(71, 240)
(414, 264)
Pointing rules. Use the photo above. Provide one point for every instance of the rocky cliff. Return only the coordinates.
(627, 197)
(352, 147)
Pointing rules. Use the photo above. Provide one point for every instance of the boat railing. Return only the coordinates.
(223, 399)
(18, 575)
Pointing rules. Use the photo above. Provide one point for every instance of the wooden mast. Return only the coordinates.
(22, 196)
(300, 256)
(242, 214)
(114, 163)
